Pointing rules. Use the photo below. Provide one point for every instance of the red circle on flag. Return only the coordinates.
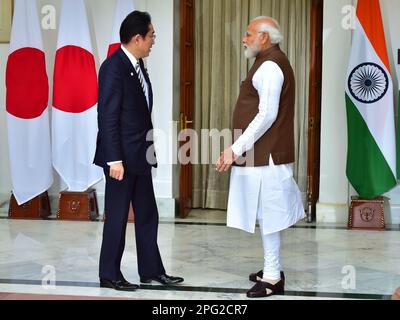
(27, 83)
(113, 48)
(75, 80)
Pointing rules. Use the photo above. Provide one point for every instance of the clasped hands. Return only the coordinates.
(225, 161)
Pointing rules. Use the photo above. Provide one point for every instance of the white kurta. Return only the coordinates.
(268, 192)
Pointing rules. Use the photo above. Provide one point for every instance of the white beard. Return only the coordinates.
(250, 52)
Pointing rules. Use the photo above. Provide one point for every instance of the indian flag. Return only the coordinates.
(371, 159)
(398, 136)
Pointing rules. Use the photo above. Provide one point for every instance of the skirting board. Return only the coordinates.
(166, 207)
(332, 213)
(339, 213)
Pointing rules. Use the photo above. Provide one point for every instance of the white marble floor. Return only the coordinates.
(320, 262)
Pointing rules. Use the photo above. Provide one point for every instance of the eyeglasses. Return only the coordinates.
(152, 36)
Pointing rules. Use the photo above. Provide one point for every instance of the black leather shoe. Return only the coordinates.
(126, 282)
(121, 285)
(163, 279)
(255, 277)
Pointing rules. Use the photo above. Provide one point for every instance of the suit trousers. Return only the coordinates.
(137, 189)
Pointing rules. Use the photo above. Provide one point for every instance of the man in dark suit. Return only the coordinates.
(126, 155)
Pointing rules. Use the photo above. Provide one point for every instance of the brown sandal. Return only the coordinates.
(260, 289)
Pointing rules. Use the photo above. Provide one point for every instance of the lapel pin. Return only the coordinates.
(131, 74)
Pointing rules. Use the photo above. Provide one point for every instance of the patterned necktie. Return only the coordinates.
(142, 80)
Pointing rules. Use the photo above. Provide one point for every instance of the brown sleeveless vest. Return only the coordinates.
(278, 141)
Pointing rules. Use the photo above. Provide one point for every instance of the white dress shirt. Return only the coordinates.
(268, 81)
(134, 62)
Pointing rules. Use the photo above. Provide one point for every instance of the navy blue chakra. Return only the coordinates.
(368, 83)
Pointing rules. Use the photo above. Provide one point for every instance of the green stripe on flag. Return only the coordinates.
(398, 140)
(367, 169)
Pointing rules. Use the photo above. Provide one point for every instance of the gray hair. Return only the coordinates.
(274, 33)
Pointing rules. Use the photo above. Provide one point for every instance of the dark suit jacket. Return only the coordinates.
(124, 118)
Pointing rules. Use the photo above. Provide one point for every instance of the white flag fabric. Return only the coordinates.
(27, 106)
(75, 92)
(122, 9)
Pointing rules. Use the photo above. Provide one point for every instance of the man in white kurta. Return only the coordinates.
(267, 193)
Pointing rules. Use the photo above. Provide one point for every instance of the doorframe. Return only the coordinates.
(314, 116)
(187, 77)
(314, 113)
